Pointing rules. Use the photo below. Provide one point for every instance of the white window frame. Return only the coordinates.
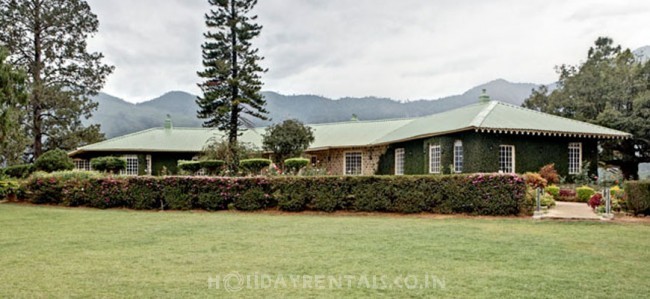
(345, 162)
(459, 157)
(399, 161)
(512, 158)
(435, 168)
(129, 170)
(82, 162)
(572, 163)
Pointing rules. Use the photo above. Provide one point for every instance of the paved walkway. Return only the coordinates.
(571, 211)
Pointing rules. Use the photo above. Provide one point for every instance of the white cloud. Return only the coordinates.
(407, 49)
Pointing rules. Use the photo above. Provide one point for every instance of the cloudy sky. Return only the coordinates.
(406, 49)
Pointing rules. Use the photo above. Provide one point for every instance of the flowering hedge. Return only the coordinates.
(480, 194)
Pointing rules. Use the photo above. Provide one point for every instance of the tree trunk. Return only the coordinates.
(37, 88)
(234, 113)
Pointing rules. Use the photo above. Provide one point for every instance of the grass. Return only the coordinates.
(59, 252)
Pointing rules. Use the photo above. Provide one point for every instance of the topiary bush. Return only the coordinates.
(295, 164)
(584, 193)
(254, 166)
(54, 160)
(19, 171)
(637, 197)
(189, 166)
(108, 164)
(212, 167)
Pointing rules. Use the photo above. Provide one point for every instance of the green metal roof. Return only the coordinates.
(486, 116)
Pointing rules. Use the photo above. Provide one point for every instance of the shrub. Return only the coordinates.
(8, 188)
(595, 200)
(296, 164)
(54, 160)
(534, 180)
(638, 197)
(553, 191)
(212, 167)
(547, 200)
(481, 194)
(254, 166)
(190, 166)
(19, 171)
(567, 195)
(584, 193)
(549, 173)
(108, 164)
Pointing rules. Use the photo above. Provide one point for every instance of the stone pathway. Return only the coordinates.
(571, 211)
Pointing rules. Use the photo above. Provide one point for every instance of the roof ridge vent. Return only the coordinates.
(484, 97)
(168, 123)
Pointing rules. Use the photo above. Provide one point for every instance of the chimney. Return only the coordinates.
(484, 97)
(168, 123)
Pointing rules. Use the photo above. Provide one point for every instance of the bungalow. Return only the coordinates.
(488, 136)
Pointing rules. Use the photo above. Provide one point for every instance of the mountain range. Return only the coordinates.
(118, 117)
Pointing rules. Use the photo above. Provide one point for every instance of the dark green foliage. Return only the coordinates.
(251, 200)
(13, 94)
(295, 164)
(610, 88)
(108, 164)
(254, 166)
(638, 197)
(49, 40)
(231, 89)
(189, 166)
(54, 160)
(19, 171)
(287, 139)
(481, 153)
(212, 167)
(471, 194)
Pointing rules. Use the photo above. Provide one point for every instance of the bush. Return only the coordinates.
(547, 200)
(534, 180)
(481, 194)
(584, 193)
(553, 191)
(108, 164)
(638, 197)
(254, 166)
(212, 167)
(19, 171)
(296, 164)
(595, 200)
(549, 173)
(8, 188)
(190, 166)
(54, 160)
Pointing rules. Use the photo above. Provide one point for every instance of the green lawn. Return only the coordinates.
(59, 252)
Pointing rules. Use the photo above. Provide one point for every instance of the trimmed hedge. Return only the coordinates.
(296, 164)
(638, 197)
(108, 164)
(584, 193)
(189, 166)
(479, 194)
(19, 171)
(254, 166)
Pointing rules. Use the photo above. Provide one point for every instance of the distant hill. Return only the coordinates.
(643, 53)
(118, 117)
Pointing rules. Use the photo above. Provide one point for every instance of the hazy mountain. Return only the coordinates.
(118, 117)
(643, 53)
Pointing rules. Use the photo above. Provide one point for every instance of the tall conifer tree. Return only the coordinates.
(232, 75)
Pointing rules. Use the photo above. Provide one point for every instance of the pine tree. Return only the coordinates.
(48, 39)
(232, 76)
(12, 95)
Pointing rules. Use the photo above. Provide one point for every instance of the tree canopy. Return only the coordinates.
(287, 140)
(611, 88)
(48, 38)
(232, 75)
(12, 95)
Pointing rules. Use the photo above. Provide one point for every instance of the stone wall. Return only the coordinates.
(333, 160)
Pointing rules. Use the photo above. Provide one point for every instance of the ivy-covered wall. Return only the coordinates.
(481, 153)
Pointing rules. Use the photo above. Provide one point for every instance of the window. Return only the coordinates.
(82, 164)
(399, 161)
(507, 159)
(575, 157)
(458, 156)
(131, 165)
(434, 159)
(352, 164)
